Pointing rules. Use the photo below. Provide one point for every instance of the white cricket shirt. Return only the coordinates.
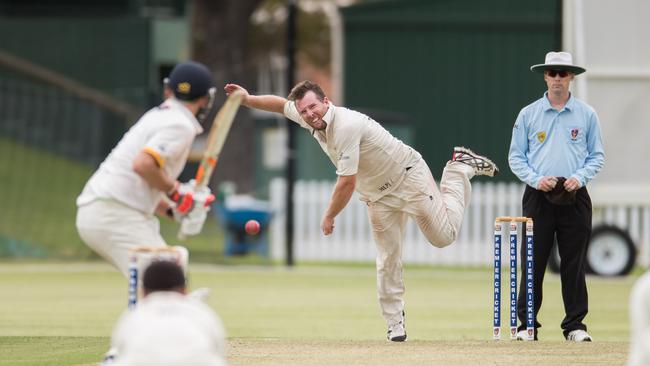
(169, 328)
(356, 144)
(165, 132)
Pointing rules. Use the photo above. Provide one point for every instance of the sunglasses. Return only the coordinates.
(553, 73)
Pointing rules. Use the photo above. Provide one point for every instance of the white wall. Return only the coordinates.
(611, 40)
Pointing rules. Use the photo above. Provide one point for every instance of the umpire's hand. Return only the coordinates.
(547, 184)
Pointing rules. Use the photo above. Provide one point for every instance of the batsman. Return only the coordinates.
(118, 205)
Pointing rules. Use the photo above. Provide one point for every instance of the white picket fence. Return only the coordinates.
(352, 240)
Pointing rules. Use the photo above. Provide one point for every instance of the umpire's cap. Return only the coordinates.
(190, 80)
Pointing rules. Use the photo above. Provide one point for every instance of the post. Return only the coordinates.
(530, 290)
(496, 300)
(513, 280)
(527, 272)
(133, 280)
(290, 173)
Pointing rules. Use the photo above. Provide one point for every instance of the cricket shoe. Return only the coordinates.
(109, 357)
(578, 335)
(522, 335)
(397, 331)
(481, 164)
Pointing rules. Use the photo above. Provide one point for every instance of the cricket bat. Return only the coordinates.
(217, 138)
(213, 146)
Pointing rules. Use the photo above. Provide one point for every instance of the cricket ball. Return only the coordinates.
(252, 227)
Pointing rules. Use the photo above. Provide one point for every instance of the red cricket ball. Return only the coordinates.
(252, 227)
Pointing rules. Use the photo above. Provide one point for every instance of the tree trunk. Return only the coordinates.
(220, 40)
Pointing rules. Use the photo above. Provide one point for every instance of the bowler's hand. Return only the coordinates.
(327, 225)
(547, 184)
(572, 184)
(231, 88)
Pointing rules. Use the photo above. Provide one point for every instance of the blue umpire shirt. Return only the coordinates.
(548, 142)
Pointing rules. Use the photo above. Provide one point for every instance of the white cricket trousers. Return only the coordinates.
(437, 212)
(111, 229)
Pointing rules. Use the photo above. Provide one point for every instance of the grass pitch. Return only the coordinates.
(62, 314)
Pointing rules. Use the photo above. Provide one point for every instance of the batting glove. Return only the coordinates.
(183, 198)
(186, 198)
(192, 223)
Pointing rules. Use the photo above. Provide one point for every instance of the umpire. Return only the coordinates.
(556, 149)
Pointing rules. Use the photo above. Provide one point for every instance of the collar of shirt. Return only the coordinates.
(568, 106)
(172, 102)
(329, 115)
(328, 118)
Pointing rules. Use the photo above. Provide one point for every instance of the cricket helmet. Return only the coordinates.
(190, 80)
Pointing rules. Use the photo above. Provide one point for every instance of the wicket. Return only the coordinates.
(141, 257)
(530, 300)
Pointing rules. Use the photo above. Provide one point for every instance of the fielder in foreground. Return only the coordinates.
(391, 177)
(556, 149)
(640, 322)
(116, 207)
(167, 328)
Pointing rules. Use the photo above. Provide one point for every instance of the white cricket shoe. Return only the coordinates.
(397, 331)
(578, 335)
(481, 164)
(522, 335)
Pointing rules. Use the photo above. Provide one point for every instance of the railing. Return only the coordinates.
(51, 137)
(352, 240)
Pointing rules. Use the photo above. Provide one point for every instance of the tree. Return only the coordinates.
(237, 39)
(220, 34)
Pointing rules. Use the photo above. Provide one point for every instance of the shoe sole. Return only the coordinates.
(475, 155)
(398, 339)
(584, 340)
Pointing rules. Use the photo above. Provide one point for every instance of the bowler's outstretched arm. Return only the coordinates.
(269, 103)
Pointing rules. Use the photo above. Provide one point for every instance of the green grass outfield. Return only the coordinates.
(63, 313)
